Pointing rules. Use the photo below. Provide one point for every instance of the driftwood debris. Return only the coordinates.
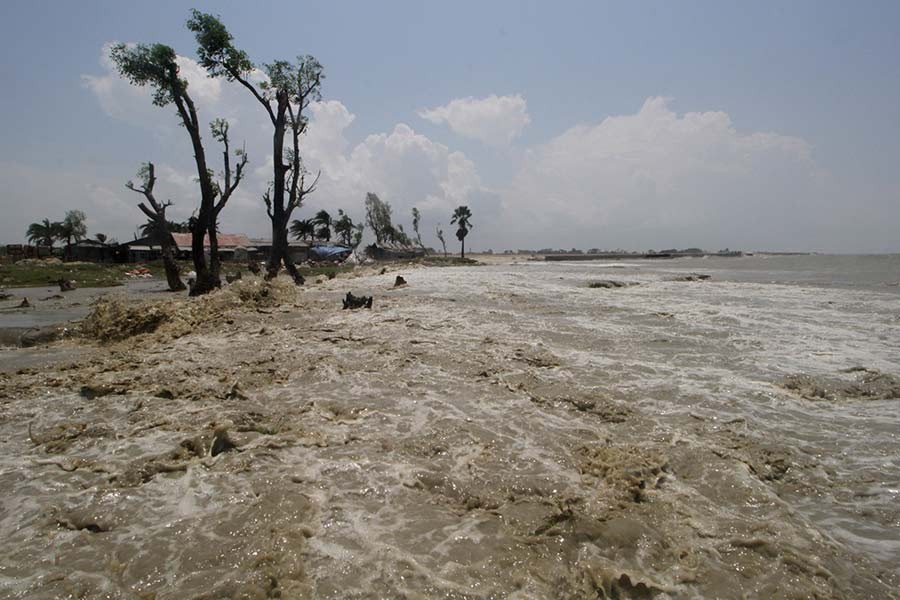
(399, 282)
(353, 302)
(65, 285)
(693, 277)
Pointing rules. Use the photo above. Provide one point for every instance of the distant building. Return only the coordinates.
(232, 247)
(298, 251)
(94, 251)
(141, 250)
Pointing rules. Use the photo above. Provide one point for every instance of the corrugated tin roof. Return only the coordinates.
(268, 242)
(226, 240)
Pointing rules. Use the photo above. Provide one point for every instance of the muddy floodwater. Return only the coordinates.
(499, 431)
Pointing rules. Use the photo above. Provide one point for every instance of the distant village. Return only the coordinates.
(239, 247)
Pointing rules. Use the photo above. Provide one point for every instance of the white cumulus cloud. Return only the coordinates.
(495, 120)
(403, 167)
(658, 179)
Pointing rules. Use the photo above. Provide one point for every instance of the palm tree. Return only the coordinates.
(152, 229)
(303, 230)
(461, 217)
(43, 233)
(323, 220)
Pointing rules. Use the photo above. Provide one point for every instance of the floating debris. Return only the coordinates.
(353, 302)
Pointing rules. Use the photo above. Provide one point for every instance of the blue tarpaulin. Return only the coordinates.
(329, 252)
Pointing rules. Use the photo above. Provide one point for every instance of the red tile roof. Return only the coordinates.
(226, 240)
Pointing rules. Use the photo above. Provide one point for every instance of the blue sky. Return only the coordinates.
(634, 125)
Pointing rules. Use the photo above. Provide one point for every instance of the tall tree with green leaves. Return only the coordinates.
(155, 65)
(73, 226)
(417, 218)
(43, 233)
(378, 218)
(156, 212)
(284, 96)
(461, 218)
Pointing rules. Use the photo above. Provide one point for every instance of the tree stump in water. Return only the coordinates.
(65, 285)
(353, 302)
(399, 282)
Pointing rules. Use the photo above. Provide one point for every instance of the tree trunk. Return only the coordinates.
(280, 254)
(280, 213)
(214, 262)
(207, 275)
(206, 280)
(173, 275)
(463, 251)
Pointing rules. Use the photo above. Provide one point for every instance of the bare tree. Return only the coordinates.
(156, 212)
(226, 187)
(417, 218)
(440, 236)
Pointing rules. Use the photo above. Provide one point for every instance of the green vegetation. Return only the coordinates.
(37, 274)
(446, 261)
(316, 270)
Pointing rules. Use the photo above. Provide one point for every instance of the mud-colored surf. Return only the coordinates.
(503, 431)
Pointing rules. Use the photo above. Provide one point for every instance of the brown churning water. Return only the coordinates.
(503, 431)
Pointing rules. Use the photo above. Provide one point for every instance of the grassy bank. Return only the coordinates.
(91, 275)
(447, 261)
(43, 273)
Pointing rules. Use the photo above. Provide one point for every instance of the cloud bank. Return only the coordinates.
(495, 120)
(656, 179)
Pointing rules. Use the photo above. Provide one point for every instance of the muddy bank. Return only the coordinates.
(257, 444)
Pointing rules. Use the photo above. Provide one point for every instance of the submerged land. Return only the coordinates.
(505, 430)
